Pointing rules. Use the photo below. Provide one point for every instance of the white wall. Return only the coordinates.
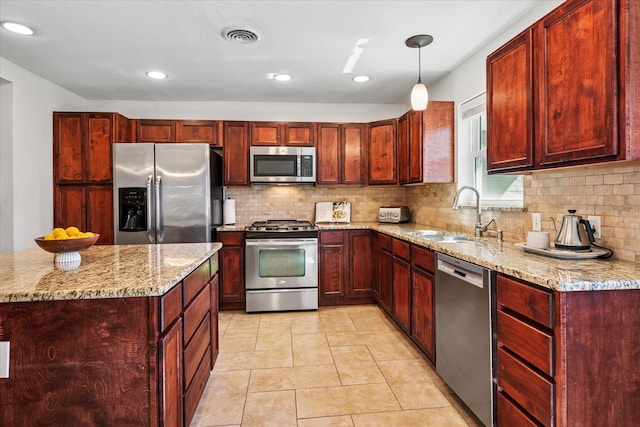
(33, 100)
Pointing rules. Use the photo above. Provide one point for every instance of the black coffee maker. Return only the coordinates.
(133, 209)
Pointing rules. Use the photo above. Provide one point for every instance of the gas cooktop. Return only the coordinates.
(282, 225)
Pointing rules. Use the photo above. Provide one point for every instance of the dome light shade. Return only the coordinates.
(419, 97)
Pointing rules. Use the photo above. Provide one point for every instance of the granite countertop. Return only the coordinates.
(106, 271)
(505, 257)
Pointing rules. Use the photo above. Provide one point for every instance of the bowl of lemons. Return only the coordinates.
(67, 243)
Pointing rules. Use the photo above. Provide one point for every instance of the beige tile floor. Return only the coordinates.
(339, 366)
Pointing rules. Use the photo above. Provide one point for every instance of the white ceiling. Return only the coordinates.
(101, 49)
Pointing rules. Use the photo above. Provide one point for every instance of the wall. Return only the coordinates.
(33, 99)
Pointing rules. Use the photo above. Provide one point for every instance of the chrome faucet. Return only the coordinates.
(478, 227)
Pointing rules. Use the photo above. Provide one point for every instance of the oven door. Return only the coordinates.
(281, 263)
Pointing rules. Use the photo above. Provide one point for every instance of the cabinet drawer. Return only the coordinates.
(170, 306)
(193, 393)
(529, 389)
(328, 237)
(533, 345)
(423, 258)
(232, 238)
(195, 350)
(384, 242)
(195, 281)
(194, 314)
(536, 304)
(402, 249)
(509, 415)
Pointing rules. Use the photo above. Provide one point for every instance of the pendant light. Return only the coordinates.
(419, 93)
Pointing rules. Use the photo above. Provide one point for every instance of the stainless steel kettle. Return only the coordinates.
(575, 233)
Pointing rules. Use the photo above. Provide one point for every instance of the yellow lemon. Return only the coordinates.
(72, 231)
(49, 237)
(62, 237)
(58, 232)
(88, 234)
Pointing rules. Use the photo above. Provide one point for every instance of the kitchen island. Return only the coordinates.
(127, 338)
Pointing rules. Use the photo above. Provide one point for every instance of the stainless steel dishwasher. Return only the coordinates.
(464, 349)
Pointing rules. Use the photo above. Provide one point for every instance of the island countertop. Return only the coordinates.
(106, 271)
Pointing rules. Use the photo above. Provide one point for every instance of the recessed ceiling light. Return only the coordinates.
(361, 79)
(282, 77)
(158, 75)
(14, 27)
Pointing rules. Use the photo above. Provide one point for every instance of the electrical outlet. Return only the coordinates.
(536, 219)
(596, 226)
(4, 359)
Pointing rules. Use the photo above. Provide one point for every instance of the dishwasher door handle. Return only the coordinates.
(462, 274)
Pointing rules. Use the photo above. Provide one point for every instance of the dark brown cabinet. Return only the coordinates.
(422, 300)
(82, 170)
(560, 93)
(232, 277)
(236, 153)
(383, 264)
(151, 130)
(345, 271)
(410, 147)
(438, 156)
(273, 133)
(170, 346)
(401, 300)
(382, 152)
(340, 154)
(199, 131)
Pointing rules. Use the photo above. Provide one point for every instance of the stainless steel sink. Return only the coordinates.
(439, 236)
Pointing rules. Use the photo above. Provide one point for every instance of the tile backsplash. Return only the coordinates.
(612, 192)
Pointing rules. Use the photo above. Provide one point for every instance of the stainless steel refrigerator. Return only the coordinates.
(165, 193)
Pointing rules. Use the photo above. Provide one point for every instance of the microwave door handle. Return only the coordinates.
(150, 224)
(159, 225)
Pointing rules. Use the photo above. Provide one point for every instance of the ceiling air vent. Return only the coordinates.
(242, 35)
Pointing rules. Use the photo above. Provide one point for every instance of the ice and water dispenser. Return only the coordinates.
(133, 208)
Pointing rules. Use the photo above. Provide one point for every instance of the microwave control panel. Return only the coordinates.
(306, 165)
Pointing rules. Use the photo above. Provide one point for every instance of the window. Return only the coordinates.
(495, 190)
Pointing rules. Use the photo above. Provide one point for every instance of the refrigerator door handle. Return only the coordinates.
(159, 226)
(149, 210)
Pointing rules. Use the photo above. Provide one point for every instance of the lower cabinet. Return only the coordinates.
(423, 332)
(345, 269)
(401, 299)
(232, 287)
(383, 264)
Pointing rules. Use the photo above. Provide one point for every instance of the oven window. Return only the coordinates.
(281, 263)
(271, 165)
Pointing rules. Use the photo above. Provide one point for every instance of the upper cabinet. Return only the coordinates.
(340, 154)
(425, 144)
(236, 153)
(156, 131)
(190, 131)
(563, 92)
(382, 150)
(273, 133)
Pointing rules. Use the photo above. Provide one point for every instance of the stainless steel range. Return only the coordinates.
(281, 265)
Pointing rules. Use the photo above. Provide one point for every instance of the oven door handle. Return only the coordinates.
(267, 243)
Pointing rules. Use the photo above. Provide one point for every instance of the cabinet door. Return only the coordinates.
(385, 280)
(171, 377)
(576, 65)
(415, 144)
(199, 131)
(266, 133)
(422, 312)
(403, 149)
(353, 154)
(332, 272)
(360, 268)
(69, 206)
(236, 153)
(98, 148)
(68, 136)
(382, 153)
(402, 294)
(156, 131)
(329, 154)
(99, 208)
(510, 106)
(232, 276)
(299, 134)
(437, 143)
(215, 342)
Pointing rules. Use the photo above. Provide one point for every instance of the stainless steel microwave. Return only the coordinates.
(282, 165)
